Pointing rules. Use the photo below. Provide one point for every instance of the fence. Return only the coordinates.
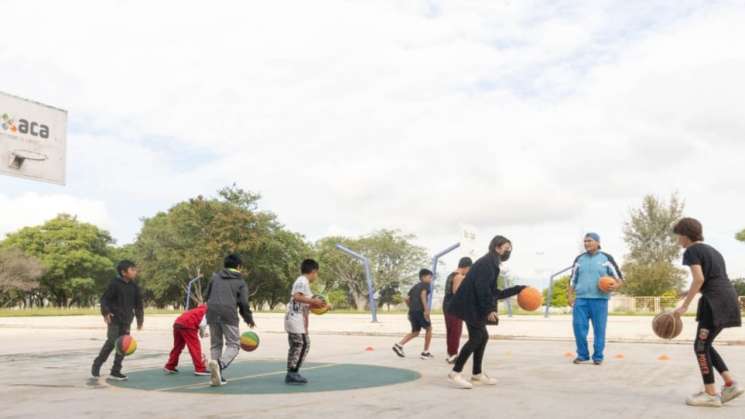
(643, 304)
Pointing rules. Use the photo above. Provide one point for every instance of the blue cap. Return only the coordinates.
(593, 236)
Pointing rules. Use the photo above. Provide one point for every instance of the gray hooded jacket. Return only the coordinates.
(227, 291)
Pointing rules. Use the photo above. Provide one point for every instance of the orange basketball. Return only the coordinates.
(605, 283)
(530, 299)
(667, 325)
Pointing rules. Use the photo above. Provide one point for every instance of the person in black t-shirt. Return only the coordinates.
(718, 309)
(419, 310)
(453, 324)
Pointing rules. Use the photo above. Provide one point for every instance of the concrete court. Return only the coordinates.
(44, 365)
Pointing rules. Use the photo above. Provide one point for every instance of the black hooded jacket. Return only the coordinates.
(123, 300)
(478, 293)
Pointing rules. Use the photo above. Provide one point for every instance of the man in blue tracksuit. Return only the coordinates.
(591, 304)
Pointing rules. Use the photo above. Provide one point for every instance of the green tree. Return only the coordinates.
(649, 268)
(75, 256)
(19, 277)
(394, 263)
(559, 295)
(339, 298)
(274, 265)
(191, 239)
(652, 279)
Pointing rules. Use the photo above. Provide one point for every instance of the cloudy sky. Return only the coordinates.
(536, 120)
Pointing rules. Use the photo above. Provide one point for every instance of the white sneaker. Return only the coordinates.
(703, 399)
(215, 379)
(732, 392)
(457, 380)
(426, 355)
(451, 359)
(484, 379)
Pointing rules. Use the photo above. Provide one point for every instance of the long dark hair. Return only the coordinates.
(496, 242)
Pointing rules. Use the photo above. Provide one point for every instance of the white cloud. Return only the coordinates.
(535, 119)
(31, 209)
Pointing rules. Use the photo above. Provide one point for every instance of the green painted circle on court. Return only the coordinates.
(268, 377)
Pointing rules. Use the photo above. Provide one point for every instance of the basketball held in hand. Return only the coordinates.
(606, 284)
(319, 308)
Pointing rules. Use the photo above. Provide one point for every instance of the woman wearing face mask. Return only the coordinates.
(476, 303)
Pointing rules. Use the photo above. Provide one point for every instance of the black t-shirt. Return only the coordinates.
(448, 291)
(415, 296)
(717, 288)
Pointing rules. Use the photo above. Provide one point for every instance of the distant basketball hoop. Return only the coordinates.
(18, 157)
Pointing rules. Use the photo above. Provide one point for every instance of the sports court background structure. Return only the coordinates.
(33, 140)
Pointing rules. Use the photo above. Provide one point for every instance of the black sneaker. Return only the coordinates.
(597, 362)
(294, 378)
(95, 371)
(426, 355)
(399, 350)
(118, 376)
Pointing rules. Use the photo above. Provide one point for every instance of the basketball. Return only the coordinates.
(667, 325)
(249, 341)
(320, 309)
(605, 283)
(530, 299)
(126, 345)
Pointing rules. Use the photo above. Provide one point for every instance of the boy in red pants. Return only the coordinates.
(187, 329)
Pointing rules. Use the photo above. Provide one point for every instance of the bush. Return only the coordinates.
(559, 296)
(339, 299)
(739, 284)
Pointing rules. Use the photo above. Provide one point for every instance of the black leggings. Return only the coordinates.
(476, 345)
(706, 355)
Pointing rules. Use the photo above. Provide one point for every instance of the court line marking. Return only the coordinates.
(245, 377)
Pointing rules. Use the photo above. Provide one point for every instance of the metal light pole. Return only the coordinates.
(551, 288)
(370, 289)
(436, 259)
(188, 291)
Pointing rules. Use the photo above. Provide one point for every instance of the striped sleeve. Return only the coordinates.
(575, 272)
(613, 267)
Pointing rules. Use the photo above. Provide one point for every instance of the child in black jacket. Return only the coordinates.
(120, 304)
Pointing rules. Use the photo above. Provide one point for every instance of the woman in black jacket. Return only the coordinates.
(476, 303)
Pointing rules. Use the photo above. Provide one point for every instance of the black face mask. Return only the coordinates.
(504, 257)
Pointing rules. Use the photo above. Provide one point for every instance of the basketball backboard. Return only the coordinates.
(33, 140)
(468, 245)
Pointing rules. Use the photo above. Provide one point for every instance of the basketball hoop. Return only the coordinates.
(18, 157)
